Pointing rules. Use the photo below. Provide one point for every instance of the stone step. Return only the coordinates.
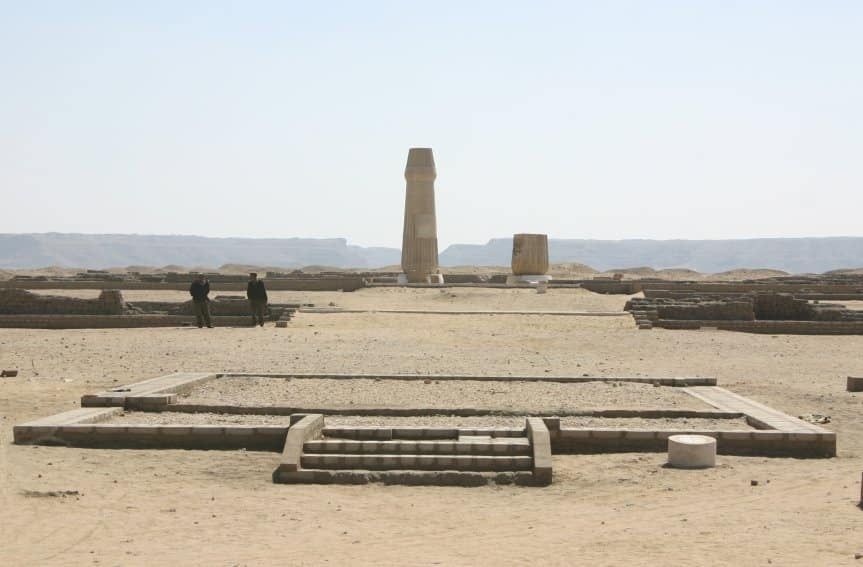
(416, 433)
(406, 477)
(486, 446)
(477, 463)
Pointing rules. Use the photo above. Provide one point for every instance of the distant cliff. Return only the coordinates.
(118, 250)
(794, 255)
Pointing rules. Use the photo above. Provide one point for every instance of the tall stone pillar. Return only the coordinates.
(419, 242)
(529, 260)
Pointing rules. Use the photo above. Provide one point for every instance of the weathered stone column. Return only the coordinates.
(529, 259)
(529, 254)
(419, 242)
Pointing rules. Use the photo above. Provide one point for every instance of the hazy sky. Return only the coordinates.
(602, 119)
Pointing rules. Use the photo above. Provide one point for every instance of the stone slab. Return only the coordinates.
(758, 415)
(304, 430)
(47, 429)
(540, 443)
(169, 384)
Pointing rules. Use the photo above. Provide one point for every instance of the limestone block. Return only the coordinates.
(540, 441)
(691, 451)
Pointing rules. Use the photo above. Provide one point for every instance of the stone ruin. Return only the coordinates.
(419, 240)
(21, 302)
(754, 311)
(25, 309)
(529, 259)
(314, 451)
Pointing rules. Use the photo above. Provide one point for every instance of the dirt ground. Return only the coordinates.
(125, 507)
(181, 418)
(527, 397)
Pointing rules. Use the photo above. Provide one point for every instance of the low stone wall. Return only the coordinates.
(729, 310)
(611, 286)
(770, 327)
(105, 436)
(769, 313)
(739, 308)
(21, 302)
(219, 308)
(754, 443)
(849, 289)
(111, 321)
(465, 278)
(782, 307)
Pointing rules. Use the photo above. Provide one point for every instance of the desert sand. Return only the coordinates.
(127, 507)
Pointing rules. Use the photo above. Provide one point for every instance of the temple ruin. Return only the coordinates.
(529, 259)
(419, 240)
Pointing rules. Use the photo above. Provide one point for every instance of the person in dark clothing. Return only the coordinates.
(200, 290)
(256, 293)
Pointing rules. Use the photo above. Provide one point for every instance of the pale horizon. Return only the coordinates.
(351, 242)
(617, 121)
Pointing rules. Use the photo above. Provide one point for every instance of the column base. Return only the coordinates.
(433, 279)
(527, 280)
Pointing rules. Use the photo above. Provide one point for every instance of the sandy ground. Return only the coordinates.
(179, 418)
(220, 508)
(509, 396)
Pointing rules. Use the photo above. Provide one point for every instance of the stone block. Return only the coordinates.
(540, 442)
(307, 428)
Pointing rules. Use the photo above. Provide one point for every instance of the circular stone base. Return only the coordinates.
(691, 451)
(529, 281)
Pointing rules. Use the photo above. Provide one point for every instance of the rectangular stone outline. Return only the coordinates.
(778, 434)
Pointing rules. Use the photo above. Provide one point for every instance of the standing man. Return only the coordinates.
(256, 292)
(200, 290)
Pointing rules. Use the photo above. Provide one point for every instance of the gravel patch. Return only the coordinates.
(370, 393)
(507, 421)
(180, 418)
